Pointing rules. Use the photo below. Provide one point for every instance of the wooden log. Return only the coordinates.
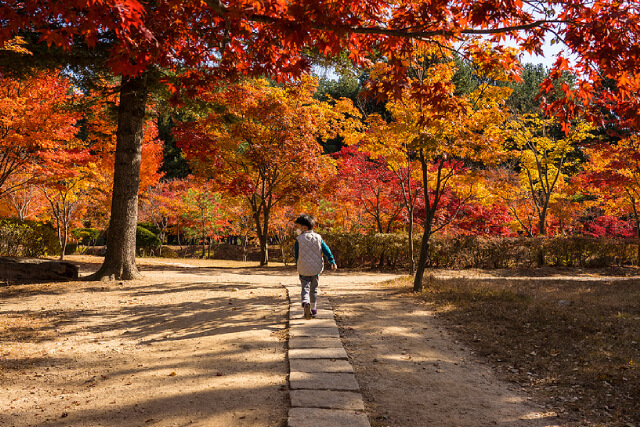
(34, 270)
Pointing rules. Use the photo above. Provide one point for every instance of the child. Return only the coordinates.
(308, 249)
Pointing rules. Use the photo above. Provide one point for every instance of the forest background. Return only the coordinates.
(476, 159)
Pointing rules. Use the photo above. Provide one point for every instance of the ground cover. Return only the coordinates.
(570, 337)
(203, 342)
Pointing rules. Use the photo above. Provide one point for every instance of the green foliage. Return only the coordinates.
(27, 238)
(523, 98)
(71, 248)
(145, 239)
(86, 236)
(174, 165)
(150, 226)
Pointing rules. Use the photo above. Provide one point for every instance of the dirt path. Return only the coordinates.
(412, 372)
(193, 344)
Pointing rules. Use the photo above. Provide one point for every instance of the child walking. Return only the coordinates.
(308, 251)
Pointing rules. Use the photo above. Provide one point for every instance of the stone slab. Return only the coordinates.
(307, 331)
(320, 365)
(297, 308)
(328, 399)
(317, 353)
(314, 417)
(299, 314)
(316, 323)
(322, 381)
(309, 342)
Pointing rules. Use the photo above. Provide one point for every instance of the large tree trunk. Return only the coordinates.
(120, 258)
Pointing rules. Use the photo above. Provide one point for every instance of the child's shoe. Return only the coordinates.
(314, 312)
(307, 311)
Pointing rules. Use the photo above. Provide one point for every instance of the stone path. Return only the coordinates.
(323, 386)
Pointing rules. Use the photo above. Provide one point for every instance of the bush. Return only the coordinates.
(167, 252)
(391, 250)
(86, 236)
(27, 238)
(70, 249)
(146, 240)
(150, 226)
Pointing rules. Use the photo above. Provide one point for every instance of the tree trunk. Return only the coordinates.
(263, 235)
(412, 260)
(204, 242)
(120, 258)
(65, 240)
(422, 260)
(638, 236)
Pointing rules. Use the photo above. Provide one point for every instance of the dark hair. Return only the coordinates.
(306, 220)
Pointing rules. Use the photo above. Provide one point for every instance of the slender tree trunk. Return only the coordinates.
(120, 258)
(636, 216)
(412, 260)
(178, 226)
(428, 220)
(542, 231)
(638, 237)
(204, 241)
(422, 260)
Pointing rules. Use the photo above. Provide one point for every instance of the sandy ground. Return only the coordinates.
(413, 372)
(204, 343)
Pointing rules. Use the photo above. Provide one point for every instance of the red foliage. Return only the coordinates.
(609, 226)
(369, 183)
(480, 220)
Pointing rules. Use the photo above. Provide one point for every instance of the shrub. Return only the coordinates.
(391, 250)
(86, 236)
(146, 240)
(70, 249)
(27, 238)
(168, 252)
(150, 226)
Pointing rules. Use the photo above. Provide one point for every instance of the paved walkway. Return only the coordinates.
(324, 390)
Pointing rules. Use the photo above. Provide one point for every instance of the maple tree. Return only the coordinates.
(262, 145)
(390, 142)
(469, 128)
(203, 214)
(542, 159)
(369, 183)
(163, 205)
(614, 173)
(35, 121)
(215, 39)
(66, 196)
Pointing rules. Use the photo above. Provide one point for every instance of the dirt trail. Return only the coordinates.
(194, 344)
(413, 372)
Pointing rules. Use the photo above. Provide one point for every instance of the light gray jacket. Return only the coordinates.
(309, 248)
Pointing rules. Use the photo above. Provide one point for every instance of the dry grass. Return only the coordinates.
(575, 344)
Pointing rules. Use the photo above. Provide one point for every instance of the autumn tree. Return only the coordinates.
(542, 157)
(369, 183)
(214, 40)
(66, 192)
(203, 214)
(262, 145)
(614, 172)
(163, 206)
(390, 143)
(35, 121)
(470, 129)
